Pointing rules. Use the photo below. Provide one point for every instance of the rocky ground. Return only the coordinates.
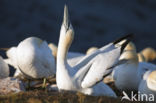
(40, 96)
(17, 91)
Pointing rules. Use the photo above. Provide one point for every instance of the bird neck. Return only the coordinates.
(130, 55)
(63, 47)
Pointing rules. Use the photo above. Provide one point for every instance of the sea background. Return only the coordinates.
(96, 23)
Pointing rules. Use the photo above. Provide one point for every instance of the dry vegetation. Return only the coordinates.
(41, 96)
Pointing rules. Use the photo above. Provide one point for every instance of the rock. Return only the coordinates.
(10, 85)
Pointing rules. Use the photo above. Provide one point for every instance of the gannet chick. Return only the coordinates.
(86, 77)
(91, 50)
(4, 69)
(125, 75)
(34, 58)
(148, 83)
(147, 54)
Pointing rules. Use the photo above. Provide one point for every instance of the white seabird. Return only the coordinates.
(34, 58)
(125, 75)
(86, 76)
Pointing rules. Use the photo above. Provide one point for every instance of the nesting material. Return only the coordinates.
(10, 85)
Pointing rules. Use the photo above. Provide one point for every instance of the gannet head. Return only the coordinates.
(129, 53)
(91, 50)
(149, 54)
(67, 31)
(53, 48)
(151, 81)
(130, 46)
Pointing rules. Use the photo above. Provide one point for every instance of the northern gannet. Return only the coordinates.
(4, 68)
(34, 58)
(86, 76)
(148, 84)
(147, 54)
(125, 75)
(130, 47)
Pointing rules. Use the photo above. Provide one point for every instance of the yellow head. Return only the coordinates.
(130, 46)
(129, 53)
(91, 50)
(149, 54)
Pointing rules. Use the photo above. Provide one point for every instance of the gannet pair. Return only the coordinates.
(128, 75)
(4, 69)
(32, 58)
(86, 76)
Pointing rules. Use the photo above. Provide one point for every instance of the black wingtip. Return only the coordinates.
(127, 37)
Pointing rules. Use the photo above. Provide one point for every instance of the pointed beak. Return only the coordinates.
(66, 17)
(66, 20)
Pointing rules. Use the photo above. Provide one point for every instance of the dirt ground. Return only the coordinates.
(37, 96)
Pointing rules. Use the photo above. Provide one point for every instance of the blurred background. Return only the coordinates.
(96, 22)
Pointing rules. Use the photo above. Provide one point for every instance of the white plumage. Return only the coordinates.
(32, 58)
(86, 75)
